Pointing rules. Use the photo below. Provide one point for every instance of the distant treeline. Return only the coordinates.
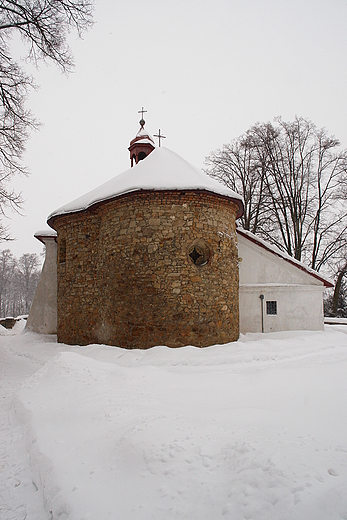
(18, 282)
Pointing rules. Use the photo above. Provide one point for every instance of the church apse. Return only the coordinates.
(155, 270)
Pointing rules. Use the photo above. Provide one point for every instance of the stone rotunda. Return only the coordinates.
(150, 257)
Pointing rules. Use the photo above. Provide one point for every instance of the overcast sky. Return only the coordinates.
(204, 70)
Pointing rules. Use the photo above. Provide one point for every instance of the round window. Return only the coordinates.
(199, 253)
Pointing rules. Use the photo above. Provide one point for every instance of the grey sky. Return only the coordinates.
(205, 71)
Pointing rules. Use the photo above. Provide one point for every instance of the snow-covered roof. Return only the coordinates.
(45, 233)
(276, 251)
(162, 170)
(143, 133)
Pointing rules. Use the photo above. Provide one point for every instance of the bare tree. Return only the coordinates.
(335, 302)
(18, 282)
(303, 176)
(7, 267)
(43, 26)
(27, 275)
(337, 290)
(293, 174)
(239, 166)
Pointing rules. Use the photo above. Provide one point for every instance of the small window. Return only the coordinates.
(62, 251)
(199, 253)
(142, 156)
(271, 307)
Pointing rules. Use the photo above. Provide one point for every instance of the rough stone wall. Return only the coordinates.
(78, 290)
(130, 280)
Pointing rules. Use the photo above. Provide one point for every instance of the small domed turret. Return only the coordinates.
(142, 145)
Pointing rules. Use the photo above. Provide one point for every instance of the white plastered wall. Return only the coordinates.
(298, 294)
(43, 312)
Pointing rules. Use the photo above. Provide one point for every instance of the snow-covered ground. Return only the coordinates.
(255, 429)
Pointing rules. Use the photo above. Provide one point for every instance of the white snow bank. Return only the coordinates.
(161, 170)
(18, 327)
(332, 320)
(4, 331)
(255, 429)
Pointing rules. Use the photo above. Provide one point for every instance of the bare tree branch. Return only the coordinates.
(295, 178)
(44, 26)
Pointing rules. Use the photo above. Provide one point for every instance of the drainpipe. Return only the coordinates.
(262, 311)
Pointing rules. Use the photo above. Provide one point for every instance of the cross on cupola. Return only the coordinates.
(160, 136)
(142, 121)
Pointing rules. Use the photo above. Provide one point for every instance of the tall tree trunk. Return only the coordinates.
(340, 276)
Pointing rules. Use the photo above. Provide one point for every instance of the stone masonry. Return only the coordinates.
(149, 268)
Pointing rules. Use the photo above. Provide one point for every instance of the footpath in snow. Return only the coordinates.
(250, 430)
(19, 498)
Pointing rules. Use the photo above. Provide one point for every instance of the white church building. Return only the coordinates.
(276, 292)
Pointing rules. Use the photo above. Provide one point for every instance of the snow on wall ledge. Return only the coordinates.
(163, 169)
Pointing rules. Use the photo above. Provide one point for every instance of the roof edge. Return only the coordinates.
(44, 235)
(277, 252)
(53, 216)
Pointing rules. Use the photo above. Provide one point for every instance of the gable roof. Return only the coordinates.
(162, 170)
(281, 254)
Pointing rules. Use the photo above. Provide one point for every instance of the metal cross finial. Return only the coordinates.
(142, 111)
(160, 136)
